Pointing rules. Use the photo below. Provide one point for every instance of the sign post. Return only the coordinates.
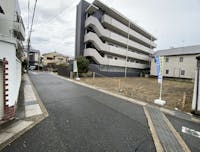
(159, 63)
(75, 69)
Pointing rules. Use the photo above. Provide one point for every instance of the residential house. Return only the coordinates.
(34, 58)
(178, 62)
(54, 58)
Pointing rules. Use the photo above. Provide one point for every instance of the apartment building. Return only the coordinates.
(12, 33)
(54, 58)
(113, 43)
(34, 58)
(178, 62)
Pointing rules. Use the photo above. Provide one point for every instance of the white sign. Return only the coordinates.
(75, 68)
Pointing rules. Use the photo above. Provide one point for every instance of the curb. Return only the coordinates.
(44, 110)
(176, 134)
(155, 137)
(32, 121)
(189, 117)
(156, 140)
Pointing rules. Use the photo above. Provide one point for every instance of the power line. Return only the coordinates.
(54, 17)
(28, 14)
(30, 31)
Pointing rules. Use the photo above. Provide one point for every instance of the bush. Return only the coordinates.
(83, 64)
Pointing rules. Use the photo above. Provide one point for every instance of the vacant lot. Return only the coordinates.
(177, 94)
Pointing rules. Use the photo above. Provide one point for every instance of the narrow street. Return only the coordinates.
(82, 119)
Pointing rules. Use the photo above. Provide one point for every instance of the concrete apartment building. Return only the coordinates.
(12, 33)
(178, 62)
(54, 58)
(34, 57)
(111, 41)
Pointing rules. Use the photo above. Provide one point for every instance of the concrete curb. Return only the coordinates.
(189, 117)
(16, 129)
(153, 131)
(156, 140)
(44, 110)
(176, 134)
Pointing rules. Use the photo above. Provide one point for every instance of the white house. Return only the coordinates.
(12, 33)
(178, 62)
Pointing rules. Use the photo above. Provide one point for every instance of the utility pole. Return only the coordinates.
(125, 73)
(29, 36)
(28, 51)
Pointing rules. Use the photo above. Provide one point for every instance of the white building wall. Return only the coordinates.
(175, 66)
(8, 51)
(1, 91)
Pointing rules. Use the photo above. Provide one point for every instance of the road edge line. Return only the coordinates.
(176, 134)
(156, 140)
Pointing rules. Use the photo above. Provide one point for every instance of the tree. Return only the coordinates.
(83, 64)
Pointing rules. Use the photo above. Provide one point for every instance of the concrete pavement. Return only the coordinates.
(82, 119)
(30, 112)
(170, 132)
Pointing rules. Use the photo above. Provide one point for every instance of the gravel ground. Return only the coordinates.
(147, 89)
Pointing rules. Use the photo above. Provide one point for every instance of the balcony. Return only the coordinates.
(109, 36)
(19, 30)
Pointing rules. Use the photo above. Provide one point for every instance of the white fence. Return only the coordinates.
(1, 90)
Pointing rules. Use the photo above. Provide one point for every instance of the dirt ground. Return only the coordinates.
(177, 94)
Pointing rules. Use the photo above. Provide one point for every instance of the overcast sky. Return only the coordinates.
(174, 23)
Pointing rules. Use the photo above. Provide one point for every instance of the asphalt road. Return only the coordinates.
(84, 120)
(192, 141)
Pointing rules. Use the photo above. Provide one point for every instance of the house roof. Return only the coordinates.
(55, 54)
(187, 50)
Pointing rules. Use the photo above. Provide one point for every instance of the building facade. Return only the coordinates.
(111, 42)
(34, 58)
(54, 58)
(12, 33)
(178, 62)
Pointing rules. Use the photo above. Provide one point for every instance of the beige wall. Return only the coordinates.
(175, 66)
(56, 58)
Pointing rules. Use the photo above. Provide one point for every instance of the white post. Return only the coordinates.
(160, 91)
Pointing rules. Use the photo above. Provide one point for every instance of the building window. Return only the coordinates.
(182, 72)
(166, 59)
(167, 71)
(49, 58)
(181, 59)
